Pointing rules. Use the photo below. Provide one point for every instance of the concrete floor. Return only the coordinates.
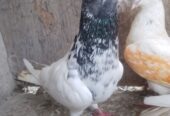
(23, 104)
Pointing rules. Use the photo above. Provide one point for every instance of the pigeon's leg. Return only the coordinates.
(99, 112)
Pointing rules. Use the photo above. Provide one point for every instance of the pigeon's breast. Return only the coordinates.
(102, 74)
(97, 66)
(105, 83)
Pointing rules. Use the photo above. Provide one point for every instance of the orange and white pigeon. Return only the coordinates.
(147, 50)
(88, 74)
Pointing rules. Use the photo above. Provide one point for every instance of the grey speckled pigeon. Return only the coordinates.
(88, 74)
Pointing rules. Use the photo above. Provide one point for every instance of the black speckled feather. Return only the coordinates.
(98, 33)
(95, 48)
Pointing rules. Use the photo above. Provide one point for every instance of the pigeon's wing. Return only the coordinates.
(150, 59)
(70, 92)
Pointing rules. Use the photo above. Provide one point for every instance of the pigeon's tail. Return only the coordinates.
(161, 101)
(158, 111)
(34, 77)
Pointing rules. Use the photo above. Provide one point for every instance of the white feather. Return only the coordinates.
(31, 68)
(72, 92)
(161, 100)
(160, 89)
(28, 77)
(156, 112)
(33, 78)
(148, 14)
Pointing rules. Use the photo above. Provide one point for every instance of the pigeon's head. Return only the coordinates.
(99, 8)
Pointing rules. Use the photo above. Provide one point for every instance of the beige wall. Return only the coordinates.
(39, 30)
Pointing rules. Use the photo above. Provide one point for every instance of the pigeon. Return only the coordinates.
(90, 71)
(147, 50)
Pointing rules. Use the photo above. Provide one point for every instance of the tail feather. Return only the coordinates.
(158, 111)
(161, 101)
(34, 77)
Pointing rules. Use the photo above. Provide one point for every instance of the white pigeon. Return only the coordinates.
(148, 49)
(89, 73)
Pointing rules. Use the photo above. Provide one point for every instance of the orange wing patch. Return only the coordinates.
(150, 67)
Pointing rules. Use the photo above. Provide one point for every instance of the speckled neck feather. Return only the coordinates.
(98, 24)
(97, 34)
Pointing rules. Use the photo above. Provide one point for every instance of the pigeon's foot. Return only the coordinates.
(101, 113)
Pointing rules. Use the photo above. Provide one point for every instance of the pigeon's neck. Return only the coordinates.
(98, 23)
(149, 22)
(152, 11)
(99, 32)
